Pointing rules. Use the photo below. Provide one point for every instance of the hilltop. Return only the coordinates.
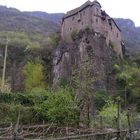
(56, 17)
(12, 19)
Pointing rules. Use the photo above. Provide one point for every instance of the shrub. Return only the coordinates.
(73, 35)
(100, 99)
(109, 115)
(116, 68)
(60, 107)
(88, 29)
(34, 76)
(111, 44)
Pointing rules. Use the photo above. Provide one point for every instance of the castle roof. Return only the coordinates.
(82, 7)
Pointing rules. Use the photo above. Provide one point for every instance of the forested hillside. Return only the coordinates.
(57, 17)
(37, 56)
(13, 20)
(28, 37)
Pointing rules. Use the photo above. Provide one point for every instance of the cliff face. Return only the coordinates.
(93, 61)
(86, 44)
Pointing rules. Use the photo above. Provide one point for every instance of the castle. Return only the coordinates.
(90, 15)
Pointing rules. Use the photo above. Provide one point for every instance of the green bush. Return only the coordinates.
(60, 107)
(34, 76)
(9, 114)
(100, 99)
(111, 44)
(116, 68)
(88, 29)
(73, 35)
(109, 115)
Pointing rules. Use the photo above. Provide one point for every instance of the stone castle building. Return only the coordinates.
(90, 15)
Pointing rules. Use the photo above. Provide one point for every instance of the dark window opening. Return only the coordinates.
(117, 35)
(84, 13)
(97, 9)
(96, 20)
(73, 18)
(79, 20)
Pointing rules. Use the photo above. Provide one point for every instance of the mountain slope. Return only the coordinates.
(43, 15)
(130, 34)
(13, 20)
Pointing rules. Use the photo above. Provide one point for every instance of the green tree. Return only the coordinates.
(109, 115)
(34, 76)
(83, 81)
(60, 107)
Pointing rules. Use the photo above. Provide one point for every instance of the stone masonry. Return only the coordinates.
(91, 16)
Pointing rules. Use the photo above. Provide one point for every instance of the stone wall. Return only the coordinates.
(92, 17)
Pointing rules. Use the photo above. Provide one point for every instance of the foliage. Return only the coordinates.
(83, 82)
(116, 68)
(111, 44)
(29, 99)
(60, 107)
(100, 99)
(109, 115)
(128, 81)
(73, 35)
(88, 29)
(124, 79)
(9, 114)
(34, 76)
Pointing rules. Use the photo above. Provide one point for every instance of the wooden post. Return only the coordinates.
(101, 122)
(4, 67)
(17, 126)
(118, 119)
(129, 124)
(125, 94)
(43, 130)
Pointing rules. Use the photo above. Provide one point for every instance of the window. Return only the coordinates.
(80, 14)
(73, 18)
(84, 13)
(96, 20)
(97, 10)
(117, 35)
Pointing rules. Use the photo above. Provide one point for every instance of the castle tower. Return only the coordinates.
(96, 14)
(97, 7)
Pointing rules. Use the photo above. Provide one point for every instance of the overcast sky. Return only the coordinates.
(115, 8)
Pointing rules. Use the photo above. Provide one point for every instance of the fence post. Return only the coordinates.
(129, 124)
(43, 129)
(118, 118)
(101, 122)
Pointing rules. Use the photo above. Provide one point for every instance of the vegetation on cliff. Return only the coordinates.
(29, 76)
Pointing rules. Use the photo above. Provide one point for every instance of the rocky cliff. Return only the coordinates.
(88, 49)
(86, 44)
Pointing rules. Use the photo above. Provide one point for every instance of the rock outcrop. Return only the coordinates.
(91, 45)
